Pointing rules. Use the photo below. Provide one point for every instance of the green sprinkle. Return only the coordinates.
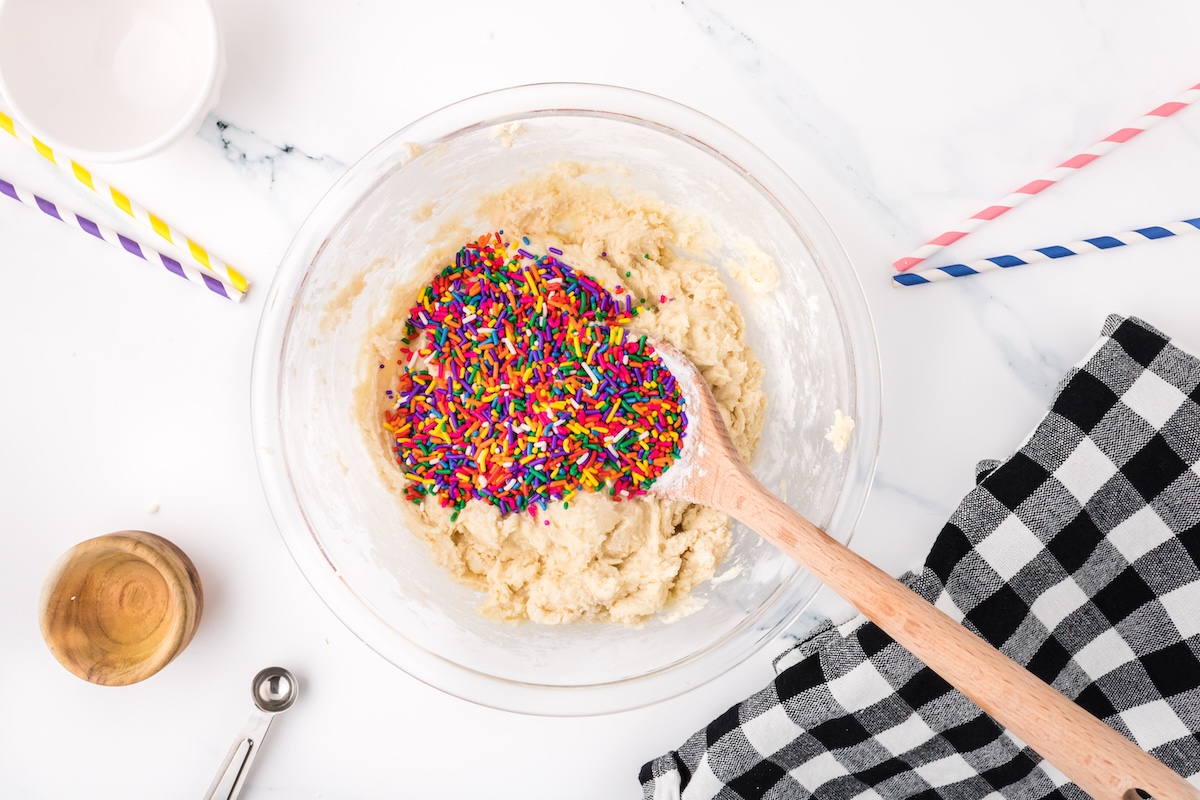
(522, 356)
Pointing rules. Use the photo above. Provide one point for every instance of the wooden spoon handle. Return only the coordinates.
(1099, 760)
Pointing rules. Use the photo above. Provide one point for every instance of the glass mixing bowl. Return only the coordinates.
(347, 532)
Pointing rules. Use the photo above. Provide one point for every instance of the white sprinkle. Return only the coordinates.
(620, 435)
(571, 400)
(152, 508)
(508, 343)
(643, 435)
(614, 452)
(469, 318)
(582, 459)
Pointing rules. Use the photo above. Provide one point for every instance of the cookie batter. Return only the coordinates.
(597, 560)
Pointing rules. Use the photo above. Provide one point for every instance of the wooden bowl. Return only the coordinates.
(118, 608)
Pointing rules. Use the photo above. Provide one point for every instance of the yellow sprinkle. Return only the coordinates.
(7, 124)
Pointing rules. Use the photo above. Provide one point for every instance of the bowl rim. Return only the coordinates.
(486, 110)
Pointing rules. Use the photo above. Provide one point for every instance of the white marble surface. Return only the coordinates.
(125, 388)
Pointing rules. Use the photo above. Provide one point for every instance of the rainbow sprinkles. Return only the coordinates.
(518, 385)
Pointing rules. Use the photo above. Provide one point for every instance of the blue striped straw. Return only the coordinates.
(1138, 236)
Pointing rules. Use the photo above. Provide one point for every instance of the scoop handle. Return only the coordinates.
(1099, 760)
(231, 776)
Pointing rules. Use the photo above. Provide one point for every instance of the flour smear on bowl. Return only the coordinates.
(600, 558)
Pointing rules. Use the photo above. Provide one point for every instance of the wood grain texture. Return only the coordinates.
(1099, 760)
(118, 608)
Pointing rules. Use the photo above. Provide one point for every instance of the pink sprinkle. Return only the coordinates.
(547, 522)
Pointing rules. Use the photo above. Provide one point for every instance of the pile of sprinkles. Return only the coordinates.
(518, 386)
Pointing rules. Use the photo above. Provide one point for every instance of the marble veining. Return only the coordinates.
(790, 99)
(257, 158)
(899, 120)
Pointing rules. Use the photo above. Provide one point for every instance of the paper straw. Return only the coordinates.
(198, 254)
(185, 271)
(1138, 236)
(1068, 167)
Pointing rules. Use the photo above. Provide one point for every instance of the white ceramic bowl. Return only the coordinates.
(110, 80)
(347, 532)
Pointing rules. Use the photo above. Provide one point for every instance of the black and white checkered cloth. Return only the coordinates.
(1077, 557)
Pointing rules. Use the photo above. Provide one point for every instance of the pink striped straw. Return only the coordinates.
(1068, 167)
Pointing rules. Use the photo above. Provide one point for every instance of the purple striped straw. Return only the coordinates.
(131, 246)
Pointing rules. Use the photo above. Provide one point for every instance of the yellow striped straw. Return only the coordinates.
(122, 201)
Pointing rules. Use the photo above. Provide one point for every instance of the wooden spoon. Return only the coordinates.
(1099, 760)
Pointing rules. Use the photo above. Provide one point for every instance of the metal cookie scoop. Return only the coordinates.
(274, 690)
